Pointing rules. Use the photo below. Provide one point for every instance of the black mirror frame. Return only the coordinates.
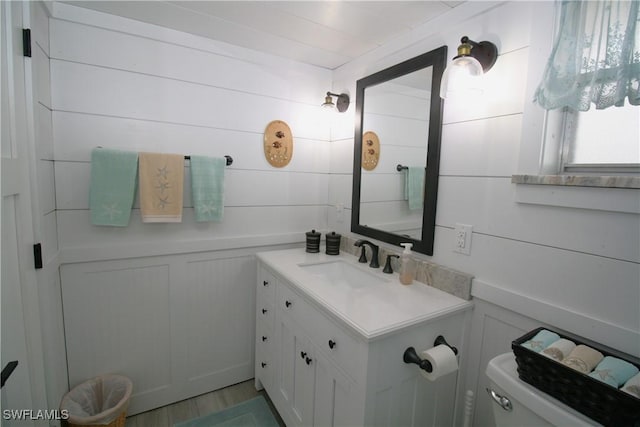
(438, 59)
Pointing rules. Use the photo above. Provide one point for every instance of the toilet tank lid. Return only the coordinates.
(502, 371)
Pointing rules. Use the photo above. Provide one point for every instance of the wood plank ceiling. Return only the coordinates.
(327, 34)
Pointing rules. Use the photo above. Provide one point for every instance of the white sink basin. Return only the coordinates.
(342, 273)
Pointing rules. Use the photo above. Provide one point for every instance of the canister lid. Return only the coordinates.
(313, 233)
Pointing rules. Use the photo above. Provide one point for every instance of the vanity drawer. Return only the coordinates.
(266, 286)
(348, 352)
(341, 347)
(265, 314)
(264, 355)
(291, 303)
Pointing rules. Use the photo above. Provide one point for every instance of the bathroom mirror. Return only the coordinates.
(394, 200)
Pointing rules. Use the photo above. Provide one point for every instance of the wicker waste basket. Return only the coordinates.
(100, 401)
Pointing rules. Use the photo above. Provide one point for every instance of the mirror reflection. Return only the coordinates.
(397, 151)
(397, 111)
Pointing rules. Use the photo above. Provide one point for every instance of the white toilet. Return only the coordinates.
(516, 403)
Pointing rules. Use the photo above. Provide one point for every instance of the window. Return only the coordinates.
(601, 141)
(591, 89)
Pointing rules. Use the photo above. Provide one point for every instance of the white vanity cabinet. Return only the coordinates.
(311, 385)
(265, 326)
(320, 368)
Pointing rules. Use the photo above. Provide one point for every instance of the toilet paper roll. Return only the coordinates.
(442, 359)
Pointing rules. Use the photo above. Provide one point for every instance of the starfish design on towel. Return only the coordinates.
(163, 186)
(111, 210)
(163, 202)
(536, 345)
(605, 374)
(554, 353)
(208, 208)
(575, 363)
(163, 172)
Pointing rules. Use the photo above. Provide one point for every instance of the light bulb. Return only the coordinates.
(462, 78)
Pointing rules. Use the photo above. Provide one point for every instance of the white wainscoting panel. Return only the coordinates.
(218, 319)
(177, 325)
(117, 318)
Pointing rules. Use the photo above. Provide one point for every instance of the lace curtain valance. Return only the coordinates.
(595, 58)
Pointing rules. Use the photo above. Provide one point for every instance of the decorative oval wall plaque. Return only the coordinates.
(278, 144)
(370, 150)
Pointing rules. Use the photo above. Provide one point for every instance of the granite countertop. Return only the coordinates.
(374, 309)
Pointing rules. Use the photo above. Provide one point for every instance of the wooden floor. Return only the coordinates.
(198, 406)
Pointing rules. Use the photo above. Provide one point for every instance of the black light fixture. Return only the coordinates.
(473, 60)
(342, 103)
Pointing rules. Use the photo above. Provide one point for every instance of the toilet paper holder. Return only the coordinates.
(410, 355)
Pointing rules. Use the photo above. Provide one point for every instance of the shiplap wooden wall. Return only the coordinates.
(143, 88)
(553, 263)
(172, 305)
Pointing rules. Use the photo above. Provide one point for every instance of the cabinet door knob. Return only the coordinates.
(288, 303)
(264, 311)
(264, 365)
(265, 283)
(332, 344)
(303, 354)
(308, 360)
(264, 338)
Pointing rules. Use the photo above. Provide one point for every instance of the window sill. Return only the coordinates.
(603, 193)
(579, 180)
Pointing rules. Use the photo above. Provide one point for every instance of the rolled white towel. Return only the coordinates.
(632, 386)
(559, 349)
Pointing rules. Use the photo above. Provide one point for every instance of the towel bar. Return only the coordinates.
(401, 168)
(229, 158)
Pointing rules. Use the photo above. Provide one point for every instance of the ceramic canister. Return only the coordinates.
(313, 241)
(333, 243)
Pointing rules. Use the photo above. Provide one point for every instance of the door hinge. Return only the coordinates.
(26, 42)
(7, 371)
(37, 255)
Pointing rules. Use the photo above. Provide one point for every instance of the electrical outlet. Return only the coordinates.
(462, 234)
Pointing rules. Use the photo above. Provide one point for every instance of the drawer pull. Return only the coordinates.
(288, 303)
(264, 365)
(265, 283)
(264, 338)
(332, 344)
(308, 360)
(264, 311)
(303, 354)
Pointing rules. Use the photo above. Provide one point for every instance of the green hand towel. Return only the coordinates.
(113, 186)
(414, 187)
(207, 187)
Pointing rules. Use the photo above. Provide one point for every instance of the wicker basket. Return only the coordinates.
(597, 400)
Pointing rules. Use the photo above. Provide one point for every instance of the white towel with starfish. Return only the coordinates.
(161, 179)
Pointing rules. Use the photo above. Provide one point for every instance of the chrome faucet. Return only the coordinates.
(374, 253)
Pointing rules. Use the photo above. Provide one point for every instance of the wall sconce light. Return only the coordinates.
(473, 60)
(342, 103)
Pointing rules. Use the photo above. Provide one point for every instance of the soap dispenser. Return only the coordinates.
(407, 265)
